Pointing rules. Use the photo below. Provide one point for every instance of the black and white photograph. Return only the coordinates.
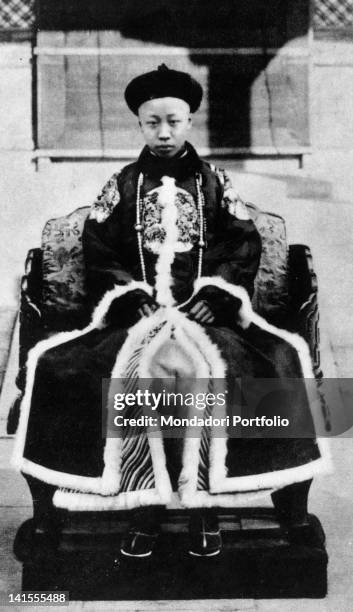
(176, 337)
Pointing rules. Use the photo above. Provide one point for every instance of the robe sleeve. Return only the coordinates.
(235, 252)
(104, 268)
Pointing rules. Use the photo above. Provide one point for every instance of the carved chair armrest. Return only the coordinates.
(304, 311)
(30, 309)
(31, 329)
(303, 293)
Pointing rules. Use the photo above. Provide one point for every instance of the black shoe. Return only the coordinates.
(205, 536)
(144, 530)
(138, 544)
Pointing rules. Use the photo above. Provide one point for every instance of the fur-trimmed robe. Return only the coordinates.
(60, 432)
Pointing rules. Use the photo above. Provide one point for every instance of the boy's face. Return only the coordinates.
(164, 123)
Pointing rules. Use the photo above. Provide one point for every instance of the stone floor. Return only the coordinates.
(315, 217)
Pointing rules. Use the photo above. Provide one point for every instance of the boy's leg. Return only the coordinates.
(205, 536)
(291, 503)
(144, 529)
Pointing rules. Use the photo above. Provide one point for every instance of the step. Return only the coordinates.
(257, 561)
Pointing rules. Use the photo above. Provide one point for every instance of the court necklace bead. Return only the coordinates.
(138, 226)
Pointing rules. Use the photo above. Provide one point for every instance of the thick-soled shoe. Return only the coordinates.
(205, 536)
(138, 544)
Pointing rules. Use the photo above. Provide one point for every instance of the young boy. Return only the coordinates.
(171, 256)
(164, 101)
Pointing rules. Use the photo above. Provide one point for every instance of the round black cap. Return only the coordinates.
(162, 83)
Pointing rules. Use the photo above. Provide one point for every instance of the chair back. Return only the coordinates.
(64, 293)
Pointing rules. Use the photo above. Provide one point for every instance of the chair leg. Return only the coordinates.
(38, 537)
(291, 503)
(42, 496)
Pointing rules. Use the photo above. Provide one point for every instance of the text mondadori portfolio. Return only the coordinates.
(196, 421)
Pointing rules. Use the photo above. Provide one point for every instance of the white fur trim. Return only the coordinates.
(204, 499)
(203, 351)
(98, 319)
(61, 479)
(161, 476)
(269, 480)
(18, 460)
(189, 473)
(218, 481)
(199, 345)
(218, 372)
(76, 501)
(164, 280)
(89, 502)
(246, 316)
(113, 445)
(188, 476)
(111, 476)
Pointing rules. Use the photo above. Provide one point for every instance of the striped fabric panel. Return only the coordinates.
(136, 466)
(204, 453)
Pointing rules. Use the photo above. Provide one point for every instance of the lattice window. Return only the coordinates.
(333, 14)
(19, 14)
(16, 14)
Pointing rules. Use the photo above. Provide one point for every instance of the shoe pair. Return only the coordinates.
(205, 539)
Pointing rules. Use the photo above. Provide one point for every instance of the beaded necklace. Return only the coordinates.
(202, 223)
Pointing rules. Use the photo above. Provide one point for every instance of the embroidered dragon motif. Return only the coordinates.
(231, 199)
(107, 200)
(187, 221)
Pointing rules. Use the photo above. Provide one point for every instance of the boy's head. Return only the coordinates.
(164, 123)
(164, 100)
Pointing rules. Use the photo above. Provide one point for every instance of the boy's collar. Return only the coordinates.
(180, 167)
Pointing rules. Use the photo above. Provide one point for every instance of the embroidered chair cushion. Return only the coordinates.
(270, 297)
(64, 291)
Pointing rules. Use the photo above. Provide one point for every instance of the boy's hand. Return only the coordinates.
(146, 310)
(201, 312)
